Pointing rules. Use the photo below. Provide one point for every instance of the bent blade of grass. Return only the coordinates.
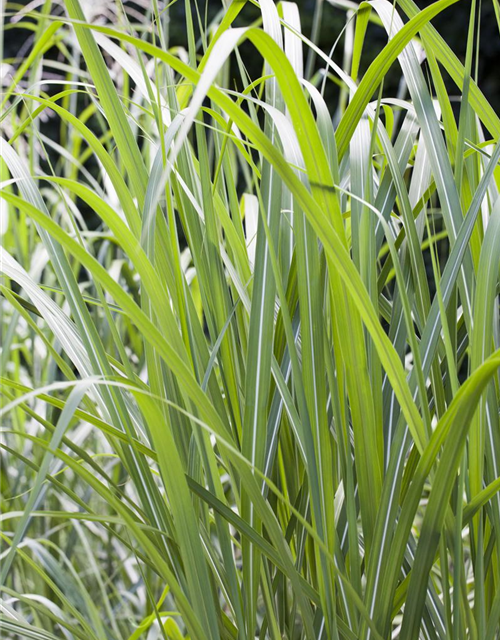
(325, 231)
(379, 68)
(461, 412)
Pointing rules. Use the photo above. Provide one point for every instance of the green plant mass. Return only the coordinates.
(250, 365)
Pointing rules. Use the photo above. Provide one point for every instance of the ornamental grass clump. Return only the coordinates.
(251, 338)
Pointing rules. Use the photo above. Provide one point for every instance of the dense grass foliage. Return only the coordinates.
(250, 334)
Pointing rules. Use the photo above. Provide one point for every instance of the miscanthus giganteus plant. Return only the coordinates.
(250, 333)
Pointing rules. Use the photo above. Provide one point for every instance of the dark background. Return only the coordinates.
(452, 24)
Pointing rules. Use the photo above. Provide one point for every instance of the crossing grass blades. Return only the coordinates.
(250, 325)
